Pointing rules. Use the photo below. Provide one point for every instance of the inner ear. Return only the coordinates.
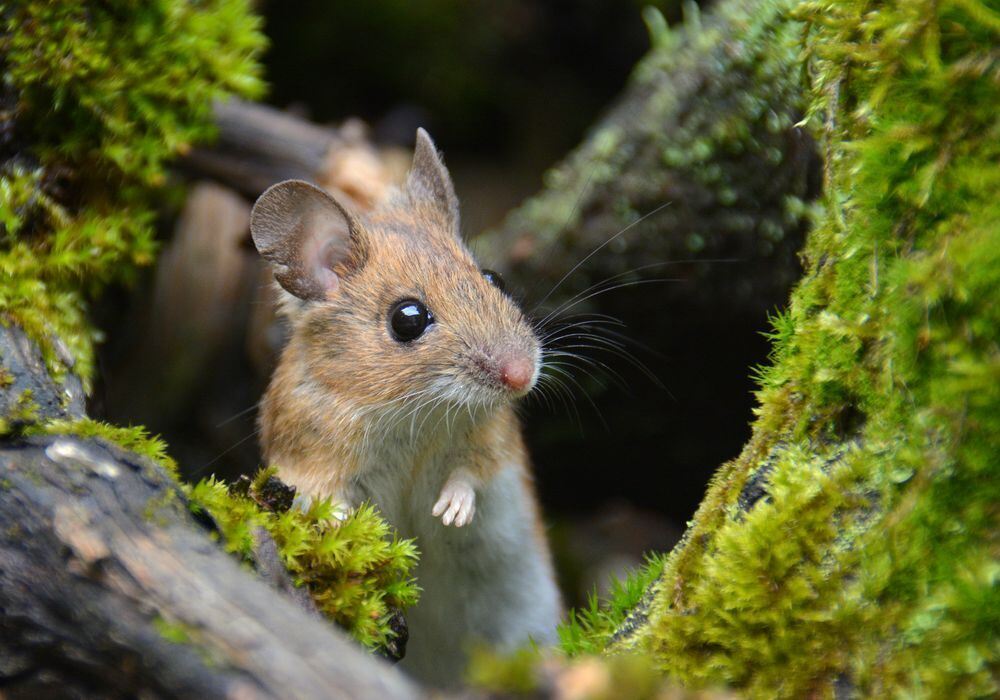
(306, 235)
(429, 182)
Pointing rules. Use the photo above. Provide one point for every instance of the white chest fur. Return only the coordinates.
(490, 581)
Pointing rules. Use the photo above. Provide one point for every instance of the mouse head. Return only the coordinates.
(393, 310)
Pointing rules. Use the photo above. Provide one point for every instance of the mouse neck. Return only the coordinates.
(402, 435)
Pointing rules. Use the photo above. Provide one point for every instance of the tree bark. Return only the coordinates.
(698, 173)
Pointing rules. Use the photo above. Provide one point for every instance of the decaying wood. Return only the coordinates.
(259, 146)
(26, 389)
(110, 588)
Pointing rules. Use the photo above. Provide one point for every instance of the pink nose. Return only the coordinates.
(516, 372)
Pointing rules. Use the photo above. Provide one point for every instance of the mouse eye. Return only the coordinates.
(495, 279)
(408, 319)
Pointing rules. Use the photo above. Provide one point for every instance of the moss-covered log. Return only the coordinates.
(110, 589)
(850, 551)
(699, 164)
(258, 146)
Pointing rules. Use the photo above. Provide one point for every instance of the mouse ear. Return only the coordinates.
(429, 181)
(304, 234)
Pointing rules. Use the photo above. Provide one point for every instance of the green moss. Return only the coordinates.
(852, 546)
(23, 413)
(527, 673)
(173, 632)
(517, 673)
(356, 571)
(103, 96)
(591, 629)
(133, 438)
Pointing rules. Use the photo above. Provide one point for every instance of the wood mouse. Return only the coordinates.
(398, 387)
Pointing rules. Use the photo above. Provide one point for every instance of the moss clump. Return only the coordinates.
(590, 630)
(852, 546)
(356, 571)
(95, 100)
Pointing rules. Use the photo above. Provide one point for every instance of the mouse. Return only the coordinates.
(398, 386)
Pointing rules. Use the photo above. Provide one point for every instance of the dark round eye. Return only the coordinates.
(408, 319)
(495, 279)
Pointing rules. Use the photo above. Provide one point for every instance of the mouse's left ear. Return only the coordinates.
(308, 238)
(429, 182)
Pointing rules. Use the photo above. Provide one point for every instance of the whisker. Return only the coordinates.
(201, 469)
(546, 255)
(238, 415)
(566, 306)
(601, 247)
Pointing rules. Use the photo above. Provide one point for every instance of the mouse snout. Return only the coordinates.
(512, 370)
(516, 372)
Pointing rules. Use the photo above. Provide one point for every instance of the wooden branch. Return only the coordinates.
(258, 146)
(110, 588)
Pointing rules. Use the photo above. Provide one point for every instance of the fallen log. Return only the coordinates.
(110, 587)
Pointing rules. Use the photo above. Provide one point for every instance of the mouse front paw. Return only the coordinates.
(457, 503)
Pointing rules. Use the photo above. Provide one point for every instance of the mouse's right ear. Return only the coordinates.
(306, 235)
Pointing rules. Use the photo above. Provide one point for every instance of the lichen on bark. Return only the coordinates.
(698, 161)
